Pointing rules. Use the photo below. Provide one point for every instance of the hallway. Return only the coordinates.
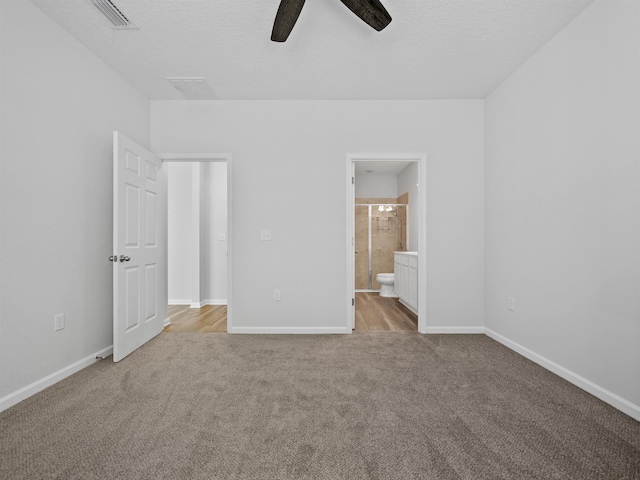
(208, 319)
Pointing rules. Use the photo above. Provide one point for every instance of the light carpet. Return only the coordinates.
(362, 406)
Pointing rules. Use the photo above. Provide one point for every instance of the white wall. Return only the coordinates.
(278, 146)
(407, 181)
(180, 227)
(563, 201)
(58, 107)
(216, 224)
(200, 231)
(376, 186)
(209, 262)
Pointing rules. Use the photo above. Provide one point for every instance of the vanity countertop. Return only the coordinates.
(413, 254)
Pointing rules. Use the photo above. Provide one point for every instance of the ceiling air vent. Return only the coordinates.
(113, 13)
(193, 88)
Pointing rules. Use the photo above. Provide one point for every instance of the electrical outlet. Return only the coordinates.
(511, 303)
(276, 295)
(265, 235)
(58, 322)
(222, 237)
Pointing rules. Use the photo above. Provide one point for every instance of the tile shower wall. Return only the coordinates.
(388, 234)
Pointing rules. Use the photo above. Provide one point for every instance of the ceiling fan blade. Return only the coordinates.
(372, 12)
(288, 13)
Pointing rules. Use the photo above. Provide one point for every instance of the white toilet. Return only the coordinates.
(386, 281)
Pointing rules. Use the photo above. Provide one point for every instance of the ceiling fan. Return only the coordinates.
(372, 12)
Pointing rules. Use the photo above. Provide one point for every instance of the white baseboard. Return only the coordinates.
(603, 394)
(179, 302)
(39, 385)
(216, 301)
(290, 330)
(456, 330)
(167, 321)
(409, 306)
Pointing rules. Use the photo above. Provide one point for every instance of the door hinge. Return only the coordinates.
(353, 180)
(353, 302)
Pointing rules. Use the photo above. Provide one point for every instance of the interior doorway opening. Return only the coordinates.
(198, 232)
(391, 188)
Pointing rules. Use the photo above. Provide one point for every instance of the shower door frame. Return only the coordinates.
(421, 159)
(370, 241)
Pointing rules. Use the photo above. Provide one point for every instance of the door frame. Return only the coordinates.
(202, 157)
(421, 159)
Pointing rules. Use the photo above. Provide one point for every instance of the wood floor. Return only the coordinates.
(374, 312)
(208, 319)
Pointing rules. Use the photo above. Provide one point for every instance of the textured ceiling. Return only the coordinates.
(432, 49)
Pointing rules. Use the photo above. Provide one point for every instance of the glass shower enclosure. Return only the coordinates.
(380, 229)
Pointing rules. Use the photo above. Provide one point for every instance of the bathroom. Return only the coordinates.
(384, 223)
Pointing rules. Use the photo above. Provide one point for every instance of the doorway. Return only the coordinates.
(391, 187)
(198, 251)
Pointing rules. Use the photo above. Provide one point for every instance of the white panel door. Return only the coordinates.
(137, 260)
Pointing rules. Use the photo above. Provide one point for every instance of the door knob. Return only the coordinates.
(124, 258)
(113, 258)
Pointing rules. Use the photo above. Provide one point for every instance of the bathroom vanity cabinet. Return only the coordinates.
(405, 268)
